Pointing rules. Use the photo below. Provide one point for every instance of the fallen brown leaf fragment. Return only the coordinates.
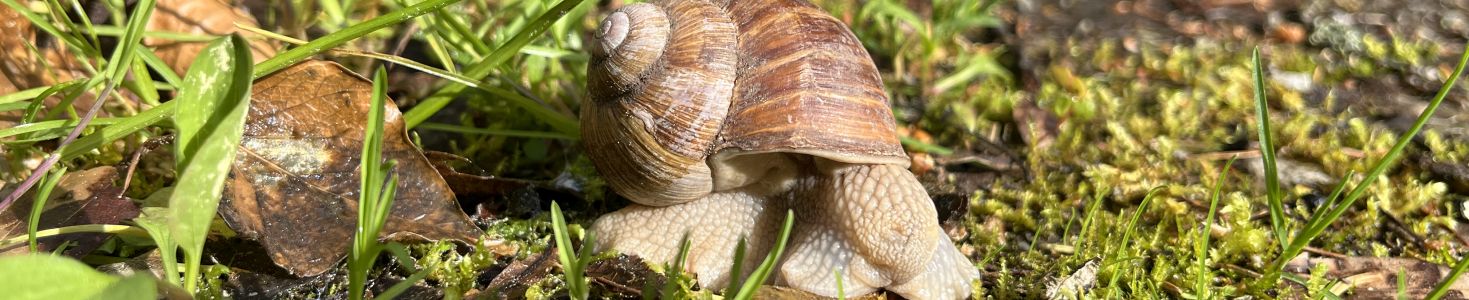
(198, 17)
(468, 181)
(30, 61)
(294, 185)
(81, 197)
(1377, 277)
(520, 275)
(624, 276)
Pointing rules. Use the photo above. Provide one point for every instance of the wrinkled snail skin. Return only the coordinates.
(799, 122)
(714, 226)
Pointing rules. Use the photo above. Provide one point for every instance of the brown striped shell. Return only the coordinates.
(797, 82)
(660, 80)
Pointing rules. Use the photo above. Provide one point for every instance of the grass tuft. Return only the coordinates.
(1335, 206)
(573, 263)
(378, 187)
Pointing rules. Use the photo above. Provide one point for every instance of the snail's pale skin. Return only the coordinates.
(830, 223)
(717, 118)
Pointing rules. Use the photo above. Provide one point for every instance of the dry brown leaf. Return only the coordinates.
(294, 184)
(199, 17)
(470, 184)
(1377, 277)
(1038, 126)
(22, 68)
(50, 63)
(81, 197)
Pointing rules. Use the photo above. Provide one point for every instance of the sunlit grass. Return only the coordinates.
(573, 262)
(38, 204)
(378, 186)
(1337, 205)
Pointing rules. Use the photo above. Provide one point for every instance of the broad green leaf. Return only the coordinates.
(214, 98)
(45, 276)
(131, 287)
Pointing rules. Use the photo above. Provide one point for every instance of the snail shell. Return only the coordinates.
(805, 85)
(683, 104)
(660, 80)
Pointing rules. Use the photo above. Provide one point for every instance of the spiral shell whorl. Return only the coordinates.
(661, 78)
(628, 45)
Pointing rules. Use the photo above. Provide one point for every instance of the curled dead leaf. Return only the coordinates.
(294, 184)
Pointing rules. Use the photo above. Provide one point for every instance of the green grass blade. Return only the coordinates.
(69, 87)
(216, 93)
(675, 271)
(498, 132)
(108, 30)
(477, 44)
(1299, 242)
(121, 128)
(295, 55)
(165, 110)
(376, 197)
(122, 57)
(1449, 281)
(14, 105)
(841, 291)
(38, 204)
(1319, 215)
(752, 284)
(76, 6)
(1201, 250)
(402, 286)
(575, 280)
(1127, 234)
(84, 228)
(736, 274)
(483, 68)
(28, 94)
(164, 71)
(116, 70)
(1267, 152)
(142, 85)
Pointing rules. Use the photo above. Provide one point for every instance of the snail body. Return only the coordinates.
(716, 118)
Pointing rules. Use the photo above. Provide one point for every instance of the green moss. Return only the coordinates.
(1138, 121)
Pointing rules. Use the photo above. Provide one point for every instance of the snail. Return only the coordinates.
(716, 117)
